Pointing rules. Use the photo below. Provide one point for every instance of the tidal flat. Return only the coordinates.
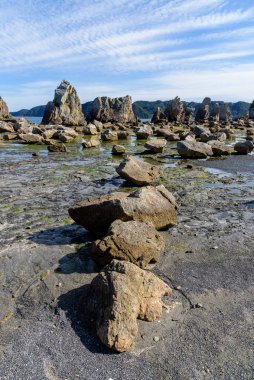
(45, 265)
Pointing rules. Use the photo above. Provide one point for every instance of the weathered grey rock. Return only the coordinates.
(30, 138)
(98, 125)
(109, 135)
(220, 149)
(4, 111)
(138, 172)
(170, 136)
(193, 149)
(90, 129)
(203, 110)
(156, 146)
(215, 113)
(159, 116)
(92, 143)
(244, 147)
(224, 112)
(65, 108)
(137, 242)
(106, 109)
(198, 130)
(118, 150)
(189, 112)
(144, 132)
(175, 110)
(150, 204)
(123, 135)
(117, 296)
(5, 127)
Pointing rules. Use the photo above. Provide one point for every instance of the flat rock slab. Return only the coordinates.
(150, 204)
(138, 172)
(137, 242)
(191, 149)
(156, 146)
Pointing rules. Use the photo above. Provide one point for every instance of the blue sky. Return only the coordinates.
(150, 49)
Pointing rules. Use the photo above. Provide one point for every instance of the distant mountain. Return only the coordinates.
(35, 112)
(145, 109)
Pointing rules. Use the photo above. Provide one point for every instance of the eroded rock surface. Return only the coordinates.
(132, 241)
(119, 295)
(138, 172)
(4, 111)
(106, 110)
(193, 149)
(150, 204)
(66, 107)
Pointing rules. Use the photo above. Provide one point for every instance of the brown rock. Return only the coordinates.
(159, 116)
(30, 138)
(132, 241)
(193, 149)
(150, 204)
(219, 148)
(65, 108)
(156, 146)
(4, 111)
(109, 135)
(106, 110)
(56, 147)
(118, 150)
(138, 172)
(117, 296)
(175, 110)
(92, 143)
(5, 127)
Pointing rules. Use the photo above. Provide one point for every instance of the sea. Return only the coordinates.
(37, 120)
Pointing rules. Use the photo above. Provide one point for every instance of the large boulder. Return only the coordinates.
(219, 148)
(244, 147)
(138, 172)
(175, 110)
(65, 108)
(150, 204)
(4, 111)
(5, 127)
(118, 150)
(137, 242)
(203, 110)
(193, 149)
(30, 138)
(156, 146)
(144, 132)
(106, 110)
(117, 296)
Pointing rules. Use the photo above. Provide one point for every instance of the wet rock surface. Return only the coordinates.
(46, 264)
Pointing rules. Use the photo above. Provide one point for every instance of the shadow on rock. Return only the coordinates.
(78, 262)
(69, 303)
(62, 235)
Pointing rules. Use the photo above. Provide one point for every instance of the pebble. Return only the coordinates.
(156, 339)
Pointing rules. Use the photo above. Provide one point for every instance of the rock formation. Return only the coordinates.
(215, 113)
(203, 110)
(194, 149)
(175, 110)
(4, 111)
(150, 204)
(117, 296)
(224, 112)
(65, 108)
(138, 172)
(137, 242)
(159, 116)
(189, 112)
(106, 110)
(251, 110)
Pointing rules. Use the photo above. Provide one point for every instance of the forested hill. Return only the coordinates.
(143, 109)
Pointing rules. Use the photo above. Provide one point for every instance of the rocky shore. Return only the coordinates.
(203, 264)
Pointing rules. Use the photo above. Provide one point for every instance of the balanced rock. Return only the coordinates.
(203, 110)
(159, 116)
(137, 242)
(118, 150)
(138, 172)
(193, 149)
(117, 296)
(155, 205)
(106, 110)
(4, 111)
(156, 146)
(65, 108)
(175, 110)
